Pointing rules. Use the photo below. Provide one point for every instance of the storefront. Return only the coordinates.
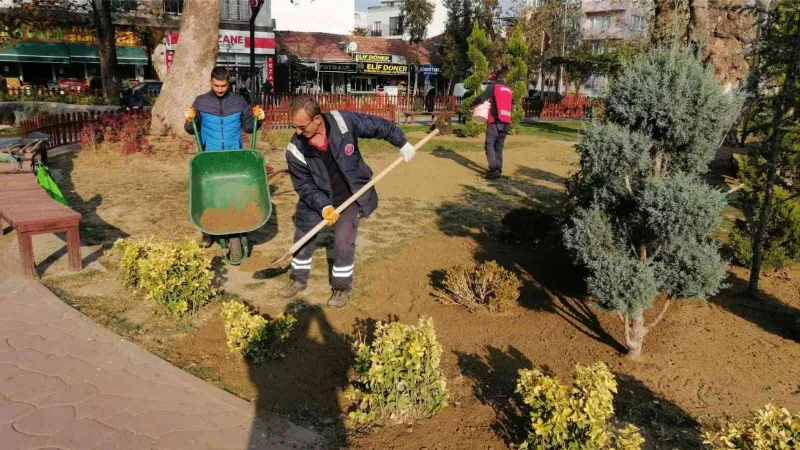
(64, 57)
(384, 77)
(234, 53)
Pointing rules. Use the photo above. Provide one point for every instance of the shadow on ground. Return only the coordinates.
(495, 372)
(550, 282)
(663, 424)
(768, 312)
(94, 230)
(304, 385)
(494, 376)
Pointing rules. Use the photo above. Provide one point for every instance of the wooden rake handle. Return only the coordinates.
(299, 244)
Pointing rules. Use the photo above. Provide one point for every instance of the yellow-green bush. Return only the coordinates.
(397, 377)
(577, 417)
(251, 335)
(485, 285)
(770, 429)
(176, 274)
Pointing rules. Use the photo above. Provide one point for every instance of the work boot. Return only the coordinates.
(292, 288)
(492, 174)
(205, 240)
(338, 298)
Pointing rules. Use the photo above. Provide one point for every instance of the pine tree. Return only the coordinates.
(643, 216)
(518, 75)
(478, 43)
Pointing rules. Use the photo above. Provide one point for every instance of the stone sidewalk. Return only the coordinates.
(68, 383)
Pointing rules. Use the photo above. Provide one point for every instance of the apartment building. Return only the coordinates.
(385, 21)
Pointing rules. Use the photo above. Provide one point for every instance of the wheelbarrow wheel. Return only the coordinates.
(235, 249)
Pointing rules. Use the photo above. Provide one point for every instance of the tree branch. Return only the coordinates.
(621, 318)
(660, 315)
(628, 184)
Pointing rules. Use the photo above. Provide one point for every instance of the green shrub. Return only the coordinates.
(484, 285)
(770, 429)
(175, 274)
(251, 335)
(7, 118)
(473, 129)
(577, 418)
(397, 377)
(782, 238)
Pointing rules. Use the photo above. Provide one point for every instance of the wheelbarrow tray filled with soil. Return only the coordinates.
(229, 192)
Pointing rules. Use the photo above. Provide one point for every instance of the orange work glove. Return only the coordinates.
(259, 113)
(190, 114)
(329, 213)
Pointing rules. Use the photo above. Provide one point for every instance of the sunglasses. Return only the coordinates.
(303, 128)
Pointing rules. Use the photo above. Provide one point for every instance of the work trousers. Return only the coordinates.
(495, 138)
(345, 231)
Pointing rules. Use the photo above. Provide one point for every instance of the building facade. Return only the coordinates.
(68, 56)
(385, 21)
(318, 16)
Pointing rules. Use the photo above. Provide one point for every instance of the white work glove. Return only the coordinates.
(407, 152)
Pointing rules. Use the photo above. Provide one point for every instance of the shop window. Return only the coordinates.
(363, 84)
(173, 6)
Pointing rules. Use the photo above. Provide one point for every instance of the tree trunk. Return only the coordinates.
(635, 331)
(782, 105)
(754, 79)
(107, 48)
(662, 21)
(698, 24)
(659, 163)
(189, 75)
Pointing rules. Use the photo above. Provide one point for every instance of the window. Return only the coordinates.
(376, 29)
(600, 22)
(363, 84)
(235, 10)
(173, 6)
(598, 48)
(395, 26)
(124, 6)
(637, 23)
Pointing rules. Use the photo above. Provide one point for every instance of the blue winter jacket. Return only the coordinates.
(220, 121)
(310, 176)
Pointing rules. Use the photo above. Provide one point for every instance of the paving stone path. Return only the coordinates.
(68, 383)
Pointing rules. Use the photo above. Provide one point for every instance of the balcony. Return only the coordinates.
(396, 32)
(376, 33)
(590, 6)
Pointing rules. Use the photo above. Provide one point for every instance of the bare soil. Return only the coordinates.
(219, 221)
(705, 362)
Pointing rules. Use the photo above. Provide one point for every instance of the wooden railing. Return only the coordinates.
(63, 129)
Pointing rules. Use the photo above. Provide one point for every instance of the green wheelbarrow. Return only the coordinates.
(229, 195)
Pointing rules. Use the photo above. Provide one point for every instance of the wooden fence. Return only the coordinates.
(40, 91)
(65, 129)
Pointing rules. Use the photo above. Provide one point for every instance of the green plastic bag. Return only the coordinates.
(49, 185)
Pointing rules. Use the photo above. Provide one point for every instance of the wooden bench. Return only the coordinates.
(27, 208)
(409, 116)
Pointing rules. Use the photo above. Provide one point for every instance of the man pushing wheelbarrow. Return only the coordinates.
(221, 117)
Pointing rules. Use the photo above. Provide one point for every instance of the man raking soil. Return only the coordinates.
(326, 169)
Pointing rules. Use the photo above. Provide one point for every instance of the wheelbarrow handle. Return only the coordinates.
(196, 136)
(299, 244)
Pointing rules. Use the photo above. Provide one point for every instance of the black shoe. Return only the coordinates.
(338, 298)
(493, 175)
(205, 241)
(292, 288)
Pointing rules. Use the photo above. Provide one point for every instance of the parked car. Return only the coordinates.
(547, 95)
(148, 87)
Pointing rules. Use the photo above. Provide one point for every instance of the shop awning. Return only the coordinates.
(89, 54)
(36, 52)
(131, 55)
